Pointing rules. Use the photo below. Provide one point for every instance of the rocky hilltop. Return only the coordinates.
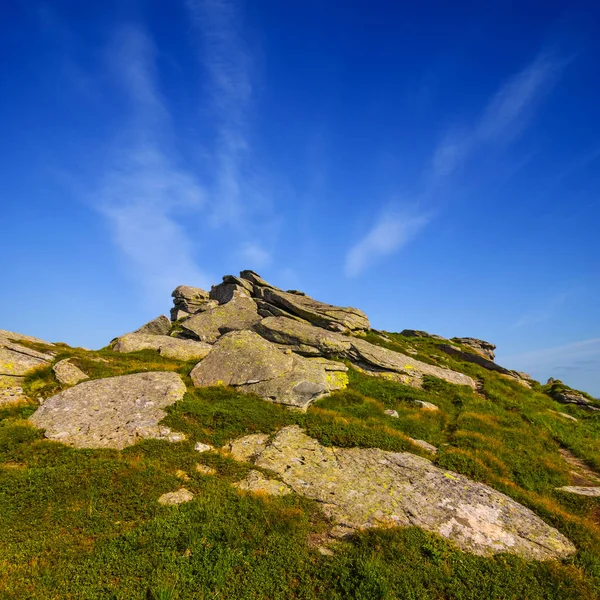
(372, 426)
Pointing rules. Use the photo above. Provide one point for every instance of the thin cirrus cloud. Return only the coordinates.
(504, 117)
(501, 121)
(142, 189)
(544, 312)
(228, 65)
(392, 231)
(577, 356)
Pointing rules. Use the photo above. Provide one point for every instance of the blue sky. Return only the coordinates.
(435, 164)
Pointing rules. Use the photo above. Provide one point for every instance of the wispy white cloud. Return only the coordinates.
(544, 312)
(142, 188)
(503, 118)
(392, 230)
(557, 357)
(229, 68)
(255, 255)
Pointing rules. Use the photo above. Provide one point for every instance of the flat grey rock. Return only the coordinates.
(167, 346)
(16, 361)
(111, 413)
(239, 313)
(256, 483)
(366, 487)
(67, 373)
(252, 364)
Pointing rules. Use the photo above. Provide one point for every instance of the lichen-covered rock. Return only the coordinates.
(367, 487)
(159, 326)
(240, 358)
(67, 373)
(328, 316)
(179, 497)
(257, 483)
(167, 346)
(305, 382)
(246, 448)
(303, 338)
(482, 347)
(239, 313)
(11, 389)
(389, 360)
(308, 340)
(111, 413)
(16, 361)
(250, 363)
(188, 300)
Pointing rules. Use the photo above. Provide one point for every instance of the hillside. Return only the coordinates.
(261, 444)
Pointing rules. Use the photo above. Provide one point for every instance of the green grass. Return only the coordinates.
(81, 524)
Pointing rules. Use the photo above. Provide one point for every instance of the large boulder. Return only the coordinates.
(366, 487)
(159, 326)
(67, 373)
(166, 346)
(335, 318)
(239, 313)
(188, 300)
(17, 360)
(486, 349)
(251, 364)
(111, 413)
(305, 339)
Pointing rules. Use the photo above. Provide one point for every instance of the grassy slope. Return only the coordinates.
(86, 524)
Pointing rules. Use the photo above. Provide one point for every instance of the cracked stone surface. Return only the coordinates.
(111, 413)
(308, 340)
(368, 487)
(16, 361)
(251, 364)
(166, 346)
(67, 373)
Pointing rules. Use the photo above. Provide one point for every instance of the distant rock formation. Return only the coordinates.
(486, 349)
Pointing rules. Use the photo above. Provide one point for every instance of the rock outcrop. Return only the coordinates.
(366, 487)
(67, 373)
(188, 300)
(239, 313)
(16, 361)
(478, 359)
(159, 326)
(486, 349)
(167, 346)
(308, 340)
(111, 413)
(252, 364)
